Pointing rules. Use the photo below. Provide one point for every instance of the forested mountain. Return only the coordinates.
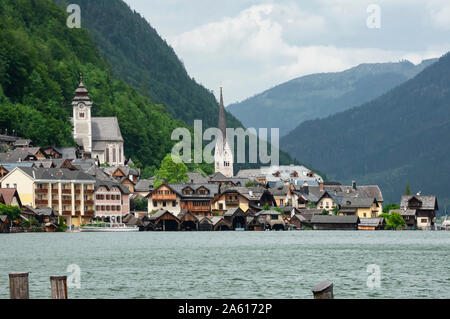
(40, 62)
(398, 138)
(139, 56)
(319, 95)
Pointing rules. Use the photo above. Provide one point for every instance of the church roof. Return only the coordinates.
(106, 129)
(222, 117)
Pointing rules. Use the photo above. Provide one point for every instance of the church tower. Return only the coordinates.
(223, 156)
(82, 124)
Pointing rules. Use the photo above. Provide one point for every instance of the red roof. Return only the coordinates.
(8, 195)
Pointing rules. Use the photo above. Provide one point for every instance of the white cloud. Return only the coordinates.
(267, 44)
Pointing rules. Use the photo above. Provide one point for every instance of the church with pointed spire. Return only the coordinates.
(98, 137)
(223, 156)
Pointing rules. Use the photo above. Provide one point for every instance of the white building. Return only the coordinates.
(223, 156)
(100, 137)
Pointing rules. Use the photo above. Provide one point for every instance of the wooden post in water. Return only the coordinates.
(18, 286)
(324, 290)
(59, 287)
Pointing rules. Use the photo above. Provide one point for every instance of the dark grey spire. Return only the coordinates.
(222, 116)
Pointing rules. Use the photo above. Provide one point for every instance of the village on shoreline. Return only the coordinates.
(64, 188)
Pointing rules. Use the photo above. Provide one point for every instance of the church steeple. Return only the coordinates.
(223, 154)
(222, 116)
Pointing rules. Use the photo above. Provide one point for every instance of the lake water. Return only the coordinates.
(232, 264)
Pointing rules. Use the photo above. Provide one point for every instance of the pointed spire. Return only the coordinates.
(222, 115)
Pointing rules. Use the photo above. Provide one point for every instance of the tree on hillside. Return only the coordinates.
(171, 172)
(408, 189)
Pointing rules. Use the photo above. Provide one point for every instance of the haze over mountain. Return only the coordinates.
(397, 138)
(320, 95)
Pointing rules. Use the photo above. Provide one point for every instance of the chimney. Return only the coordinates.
(354, 185)
(321, 186)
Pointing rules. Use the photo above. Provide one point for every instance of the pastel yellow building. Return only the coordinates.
(361, 207)
(69, 193)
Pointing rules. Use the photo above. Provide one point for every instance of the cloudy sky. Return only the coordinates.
(253, 45)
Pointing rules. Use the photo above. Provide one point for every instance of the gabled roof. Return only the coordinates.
(235, 211)
(9, 194)
(371, 222)
(280, 190)
(428, 202)
(356, 202)
(332, 219)
(109, 185)
(55, 174)
(106, 129)
(144, 185)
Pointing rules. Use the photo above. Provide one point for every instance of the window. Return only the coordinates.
(274, 217)
(174, 204)
(7, 185)
(220, 206)
(281, 202)
(82, 115)
(164, 204)
(155, 204)
(15, 186)
(424, 220)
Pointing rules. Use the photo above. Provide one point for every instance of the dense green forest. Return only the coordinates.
(319, 95)
(398, 138)
(139, 56)
(40, 62)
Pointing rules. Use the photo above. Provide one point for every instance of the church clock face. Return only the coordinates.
(81, 111)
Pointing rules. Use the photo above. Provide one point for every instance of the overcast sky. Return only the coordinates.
(253, 45)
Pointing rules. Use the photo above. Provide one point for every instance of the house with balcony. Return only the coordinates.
(112, 201)
(69, 193)
(195, 198)
(418, 211)
(243, 197)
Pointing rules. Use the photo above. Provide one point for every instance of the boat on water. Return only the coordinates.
(108, 228)
(445, 225)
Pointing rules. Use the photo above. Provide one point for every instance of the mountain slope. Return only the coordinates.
(40, 62)
(399, 137)
(139, 56)
(320, 95)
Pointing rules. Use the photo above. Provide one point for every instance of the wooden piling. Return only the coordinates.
(59, 287)
(324, 290)
(19, 286)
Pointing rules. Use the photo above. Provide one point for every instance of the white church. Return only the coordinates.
(223, 156)
(100, 137)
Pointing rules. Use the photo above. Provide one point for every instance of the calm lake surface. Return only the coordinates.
(232, 264)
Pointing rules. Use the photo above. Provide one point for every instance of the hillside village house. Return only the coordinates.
(419, 211)
(177, 197)
(243, 197)
(112, 201)
(361, 207)
(69, 193)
